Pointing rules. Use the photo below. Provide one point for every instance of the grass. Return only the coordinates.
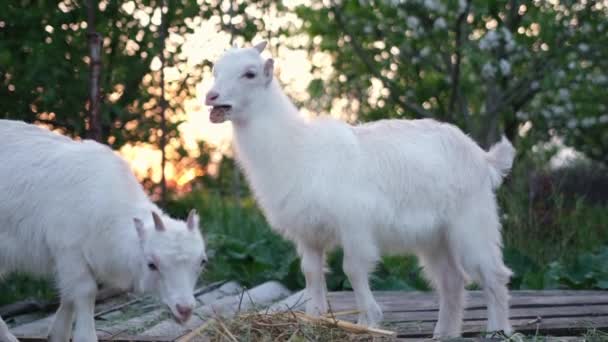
(18, 287)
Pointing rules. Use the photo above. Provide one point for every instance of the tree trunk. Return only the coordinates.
(492, 121)
(95, 41)
(163, 103)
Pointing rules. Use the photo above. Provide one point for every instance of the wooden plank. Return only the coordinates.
(103, 338)
(153, 317)
(403, 301)
(515, 313)
(415, 314)
(552, 326)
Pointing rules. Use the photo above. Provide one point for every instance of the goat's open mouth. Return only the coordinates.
(218, 113)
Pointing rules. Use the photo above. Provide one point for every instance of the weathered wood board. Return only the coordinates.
(411, 314)
(414, 314)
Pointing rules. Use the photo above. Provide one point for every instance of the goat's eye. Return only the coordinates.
(249, 74)
(203, 262)
(152, 266)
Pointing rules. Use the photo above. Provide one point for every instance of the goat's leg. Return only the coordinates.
(477, 240)
(447, 277)
(84, 307)
(358, 263)
(61, 329)
(5, 335)
(313, 259)
(78, 287)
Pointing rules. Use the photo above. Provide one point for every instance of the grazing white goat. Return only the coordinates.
(386, 187)
(75, 211)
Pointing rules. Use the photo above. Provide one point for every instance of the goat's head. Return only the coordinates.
(241, 74)
(173, 256)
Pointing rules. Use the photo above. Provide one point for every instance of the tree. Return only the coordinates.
(487, 66)
(95, 46)
(44, 65)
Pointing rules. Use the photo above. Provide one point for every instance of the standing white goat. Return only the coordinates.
(391, 186)
(74, 210)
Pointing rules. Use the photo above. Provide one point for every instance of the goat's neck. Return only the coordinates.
(272, 130)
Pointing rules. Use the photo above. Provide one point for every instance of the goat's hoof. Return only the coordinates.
(371, 317)
(440, 336)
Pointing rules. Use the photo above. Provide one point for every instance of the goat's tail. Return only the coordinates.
(500, 157)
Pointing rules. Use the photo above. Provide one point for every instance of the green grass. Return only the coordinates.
(18, 287)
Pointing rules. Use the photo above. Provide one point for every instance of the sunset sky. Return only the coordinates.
(207, 42)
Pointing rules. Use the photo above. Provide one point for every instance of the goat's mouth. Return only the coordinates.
(218, 113)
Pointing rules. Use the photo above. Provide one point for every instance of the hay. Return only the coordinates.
(291, 326)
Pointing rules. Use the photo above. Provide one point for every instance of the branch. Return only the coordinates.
(456, 67)
(394, 89)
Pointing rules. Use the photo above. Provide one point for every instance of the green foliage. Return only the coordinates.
(487, 66)
(18, 287)
(588, 270)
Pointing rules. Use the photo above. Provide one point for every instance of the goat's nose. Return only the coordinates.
(211, 96)
(184, 310)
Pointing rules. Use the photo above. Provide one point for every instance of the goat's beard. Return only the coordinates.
(218, 114)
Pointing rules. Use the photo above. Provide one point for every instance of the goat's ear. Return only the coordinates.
(158, 222)
(139, 226)
(268, 70)
(193, 219)
(260, 46)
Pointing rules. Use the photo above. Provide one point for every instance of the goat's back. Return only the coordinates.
(56, 193)
(425, 153)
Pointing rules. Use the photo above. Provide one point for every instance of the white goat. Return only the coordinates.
(391, 186)
(74, 210)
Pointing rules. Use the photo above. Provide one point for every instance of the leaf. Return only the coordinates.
(315, 88)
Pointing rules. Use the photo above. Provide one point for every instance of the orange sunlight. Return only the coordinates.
(208, 42)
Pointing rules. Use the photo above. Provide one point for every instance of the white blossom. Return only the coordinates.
(564, 94)
(505, 67)
(571, 123)
(488, 70)
(583, 47)
(603, 119)
(558, 110)
(462, 5)
(412, 22)
(521, 115)
(599, 79)
(425, 51)
(588, 122)
(440, 24)
(434, 5)
(489, 41)
(586, 28)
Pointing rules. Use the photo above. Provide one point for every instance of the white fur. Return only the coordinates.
(386, 187)
(68, 210)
